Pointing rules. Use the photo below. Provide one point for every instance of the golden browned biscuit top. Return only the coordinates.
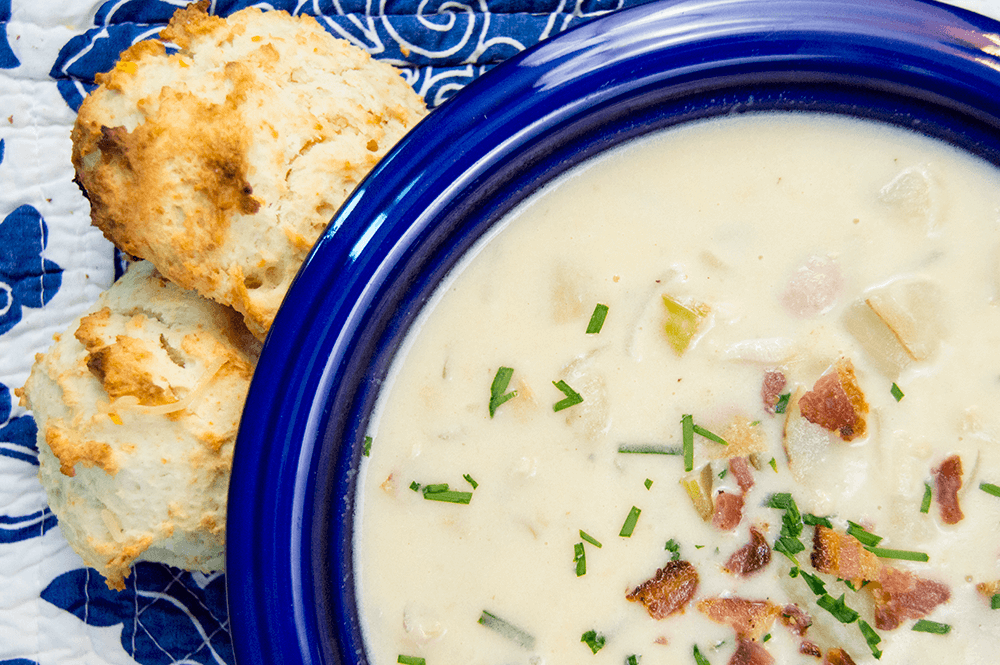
(222, 162)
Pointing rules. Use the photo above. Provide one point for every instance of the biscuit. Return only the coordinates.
(138, 406)
(223, 161)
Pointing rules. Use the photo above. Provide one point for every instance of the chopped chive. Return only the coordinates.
(995, 601)
(436, 487)
(866, 537)
(498, 389)
(674, 549)
(698, 429)
(449, 496)
(699, 547)
(597, 319)
(580, 559)
(589, 538)
(572, 397)
(698, 658)
(508, 630)
(632, 660)
(469, 479)
(722, 474)
(838, 608)
(367, 450)
(816, 585)
(792, 519)
(871, 637)
(990, 488)
(410, 660)
(766, 638)
(925, 626)
(594, 640)
(687, 431)
(782, 403)
(896, 392)
(925, 504)
(629, 526)
(814, 520)
(904, 555)
(415, 486)
(789, 547)
(650, 450)
(788, 542)
(774, 464)
(648, 483)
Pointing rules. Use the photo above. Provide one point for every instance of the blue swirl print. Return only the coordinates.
(167, 615)
(440, 45)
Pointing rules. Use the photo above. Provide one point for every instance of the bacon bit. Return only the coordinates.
(771, 389)
(751, 619)
(728, 511)
(662, 640)
(899, 595)
(740, 468)
(947, 482)
(668, 591)
(750, 653)
(836, 402)
(751, 557)
(797, 620)
(807, 648)
(838, 657)
(988, 589)
(844, 556)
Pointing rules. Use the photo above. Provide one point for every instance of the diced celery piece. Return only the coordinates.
(699, 487)
(682, 323)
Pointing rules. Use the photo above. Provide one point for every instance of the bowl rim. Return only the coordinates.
(289, 578)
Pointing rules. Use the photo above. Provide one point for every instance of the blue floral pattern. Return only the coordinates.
(18, 434)
(7, 58)
(26, 279)
(167, 615)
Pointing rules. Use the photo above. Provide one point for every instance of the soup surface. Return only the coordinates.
(817, 292)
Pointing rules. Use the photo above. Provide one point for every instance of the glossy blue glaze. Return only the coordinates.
(289, 568)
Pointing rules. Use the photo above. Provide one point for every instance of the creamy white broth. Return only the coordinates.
(722, 213)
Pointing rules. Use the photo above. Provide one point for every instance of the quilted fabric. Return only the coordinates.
(53, 264)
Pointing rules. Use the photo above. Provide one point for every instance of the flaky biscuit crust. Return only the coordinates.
(222, 162)
(138, 405)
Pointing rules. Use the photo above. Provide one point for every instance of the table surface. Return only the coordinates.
(53, 265)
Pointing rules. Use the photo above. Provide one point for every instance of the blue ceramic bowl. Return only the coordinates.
(289, 569)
